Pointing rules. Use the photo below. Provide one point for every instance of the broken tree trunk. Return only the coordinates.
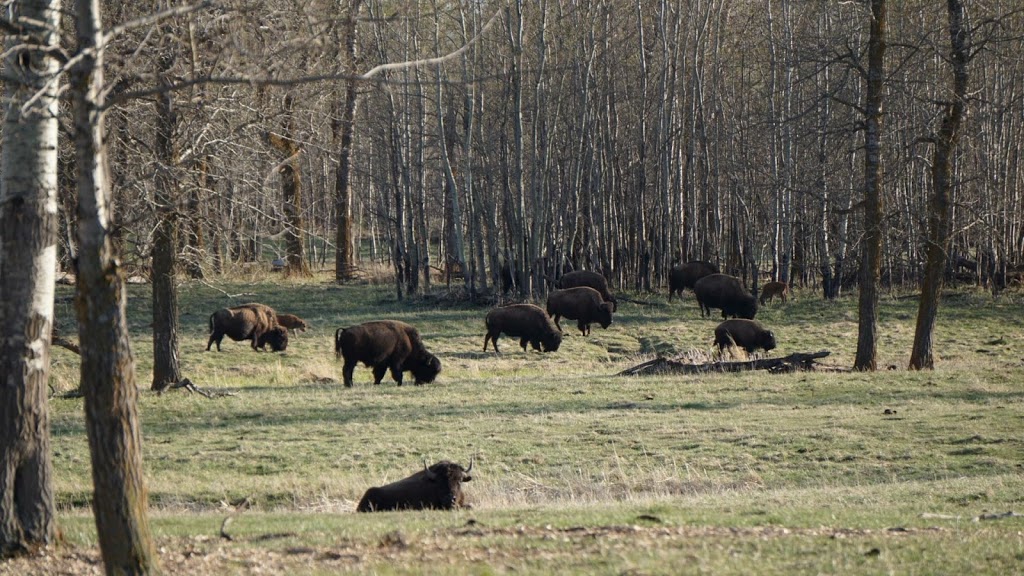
(791, 363)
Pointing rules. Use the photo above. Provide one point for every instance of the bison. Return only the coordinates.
(582, 304)
(527, 322)
(256, 322)
(686, 275)
(384, 345)
(589, 279)
(292, 322)
(747, 334)
(727, 293)
(772, 289)
(437, 487)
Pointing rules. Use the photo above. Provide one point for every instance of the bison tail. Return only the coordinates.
(337, 342)
(211, 322)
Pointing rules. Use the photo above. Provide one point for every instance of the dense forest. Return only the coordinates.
(615, 136)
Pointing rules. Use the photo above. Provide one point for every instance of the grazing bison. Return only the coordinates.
(384, 345)
(727, 293)
(292, 322)
(438, 487)
(772, 289)
(686, 275)
(524, 321)
(582, 304)
(747, 334)
(589, 279)
(256, 322)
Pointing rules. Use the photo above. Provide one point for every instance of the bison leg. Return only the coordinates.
(378, 373)
(396, 373)
(556, 318)
(215, 337)
(583, 326)
(346, 372)
(523, 341)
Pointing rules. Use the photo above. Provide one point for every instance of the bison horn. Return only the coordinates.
(426, 470)
(468, 470)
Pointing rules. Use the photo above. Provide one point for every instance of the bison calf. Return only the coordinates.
(524, 321)
(582, 304)
(437, 487)
(772, 289)
(747, 334)
(589, 279)
(256, 322)
(384, 345)
(686, 275)
(724, 292)
(292, 322)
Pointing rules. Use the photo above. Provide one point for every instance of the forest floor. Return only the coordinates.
(577, 469)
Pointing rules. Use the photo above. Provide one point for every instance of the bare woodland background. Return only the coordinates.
(615, 136)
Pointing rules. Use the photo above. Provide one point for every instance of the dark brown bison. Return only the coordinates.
(686, 275)
(438, 487)
(727, 293)
(256, 322)
(772, 289)
(292, 322)
(589, 279)
(747, 334)
(583, 304)
(384, 345)
(524, 321)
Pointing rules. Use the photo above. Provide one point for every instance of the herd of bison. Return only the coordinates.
(582, 296)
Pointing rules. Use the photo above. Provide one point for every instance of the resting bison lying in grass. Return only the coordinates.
(254, 321)
(747, 334)
(725, 292)
(437, 487)
(292, 322)
(686, 275)
(582, 304)
(526, 322)
(384, 345)
(591, 280)
(772, 289)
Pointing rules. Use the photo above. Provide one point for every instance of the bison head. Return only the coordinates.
(746, 308)
(449, 478)
(552, 341)
(604, 315)
(276, 337)
(425, 367)
(767, 340)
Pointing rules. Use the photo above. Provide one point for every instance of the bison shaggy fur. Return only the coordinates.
(684, 276)
(589, 279)
(254, 321)
(772, 289)
(292, 322)
(438, 487)
(524, 321)
(727, 293)
(385, 345)
(747, 334)
(583, 304)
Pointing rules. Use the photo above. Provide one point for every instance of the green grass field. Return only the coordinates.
(577, 470)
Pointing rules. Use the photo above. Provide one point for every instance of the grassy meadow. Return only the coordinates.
(577, 470)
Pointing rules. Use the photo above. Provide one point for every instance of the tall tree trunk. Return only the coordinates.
(166, 367)
(28, 261)
(107, 369)
(939, 211)
(291, 191)
(344, 259)
(871, 255)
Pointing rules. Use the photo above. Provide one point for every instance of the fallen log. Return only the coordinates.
(792, 363)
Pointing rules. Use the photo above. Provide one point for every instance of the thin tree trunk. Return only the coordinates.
(28, 261)
(344, 260)
(107, 369)
(871, 255)
(939, 213)
(166, 367)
